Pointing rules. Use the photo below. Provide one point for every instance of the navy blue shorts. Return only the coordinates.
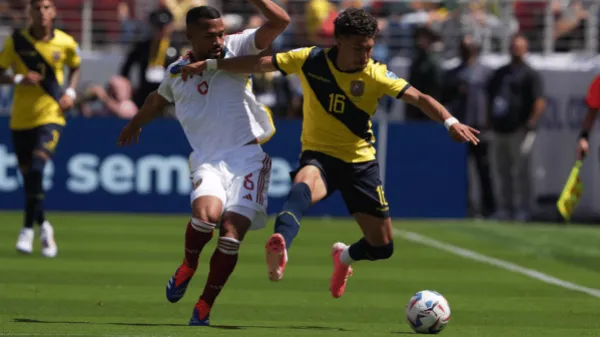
(359, 183)
(43, 138)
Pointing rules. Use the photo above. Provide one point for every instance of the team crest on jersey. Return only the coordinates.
(357, 88)
(391, 75)
(56, 56)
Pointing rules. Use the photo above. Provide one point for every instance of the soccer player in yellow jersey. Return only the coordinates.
(37, 56)
(342, 86)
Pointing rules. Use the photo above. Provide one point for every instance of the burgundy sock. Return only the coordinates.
(197, 235)
(222, 265)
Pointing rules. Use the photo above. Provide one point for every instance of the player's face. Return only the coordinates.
(42, 12)
(207, 38)
(355, 51)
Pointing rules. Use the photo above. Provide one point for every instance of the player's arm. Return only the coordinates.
(394, 86)
(151, 109)
(73, 61)
(277, 22)
(437, 112)
(287, 63)
(7, 57)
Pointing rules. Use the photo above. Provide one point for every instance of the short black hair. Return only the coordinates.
(355, 21)
(32, 2)
(200, 13)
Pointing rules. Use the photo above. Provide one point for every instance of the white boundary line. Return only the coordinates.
(472, 255)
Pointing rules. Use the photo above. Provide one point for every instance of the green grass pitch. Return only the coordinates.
(109, 280)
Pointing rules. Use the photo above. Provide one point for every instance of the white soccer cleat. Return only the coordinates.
(25, 241)
(49, 248)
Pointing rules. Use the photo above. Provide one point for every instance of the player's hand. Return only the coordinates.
(464, 133)
(66, 102)
(582, 148)
(192, 69)
(32, 78)
(129, 133)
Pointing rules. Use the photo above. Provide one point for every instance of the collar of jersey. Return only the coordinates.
(29, 32)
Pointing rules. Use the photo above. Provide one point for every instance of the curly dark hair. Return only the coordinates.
(355, 21)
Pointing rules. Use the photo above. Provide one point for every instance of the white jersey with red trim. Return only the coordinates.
(216, 109)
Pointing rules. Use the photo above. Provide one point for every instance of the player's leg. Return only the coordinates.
(48, 137)
(233, 228)
(207, 200)
(245, 209)
(365, 199)
(23, 144)
(309, 187)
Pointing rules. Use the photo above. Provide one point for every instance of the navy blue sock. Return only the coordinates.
(288, 221)
(34, 192)
(358, 250)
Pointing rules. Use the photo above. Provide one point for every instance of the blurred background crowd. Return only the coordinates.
(150, 33)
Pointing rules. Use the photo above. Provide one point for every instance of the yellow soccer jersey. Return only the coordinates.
(38, 105)
(338, 106)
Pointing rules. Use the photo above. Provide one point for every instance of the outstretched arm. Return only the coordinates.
(437, 112)
(277, 22)
(240, 65)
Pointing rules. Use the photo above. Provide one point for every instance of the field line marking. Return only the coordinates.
(475, 256)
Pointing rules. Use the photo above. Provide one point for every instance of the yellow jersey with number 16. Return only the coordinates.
(337, 105)
(38, 105)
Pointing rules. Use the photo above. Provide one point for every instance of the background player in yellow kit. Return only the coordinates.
(342, 86)
(37, 56)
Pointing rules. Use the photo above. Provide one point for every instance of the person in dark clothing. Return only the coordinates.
(516, 103)
(152, 55)
(464, 96)
(425, 72)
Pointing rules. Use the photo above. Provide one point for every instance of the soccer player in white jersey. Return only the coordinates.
(224, 125)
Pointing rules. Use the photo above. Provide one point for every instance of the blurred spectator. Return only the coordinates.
(426, 13)
(127, 24)
(464, 96)
(568, 19)
(476, 19)
(319, 18)
(516, 103)
(12, 14)
(425, 71)
(152, 55)
(115, 100)
(179, 9)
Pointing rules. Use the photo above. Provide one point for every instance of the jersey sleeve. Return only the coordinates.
(292, 61)
(7, 54)
(73, 54)
(165, 89)
(390, 83)
(243, 43)
(593, 94)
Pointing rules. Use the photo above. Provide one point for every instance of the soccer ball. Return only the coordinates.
(427, 312)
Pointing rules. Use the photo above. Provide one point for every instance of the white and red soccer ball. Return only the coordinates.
(427, 312)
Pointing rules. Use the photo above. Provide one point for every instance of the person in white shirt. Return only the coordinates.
(225, 126)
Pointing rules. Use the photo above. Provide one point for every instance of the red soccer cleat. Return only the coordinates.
(341, 272)
(276, 255)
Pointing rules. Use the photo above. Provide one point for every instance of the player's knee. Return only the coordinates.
(381, 252)
(206, 215)
(228, 245)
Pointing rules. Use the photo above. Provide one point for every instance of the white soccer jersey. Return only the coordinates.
(218, 110)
